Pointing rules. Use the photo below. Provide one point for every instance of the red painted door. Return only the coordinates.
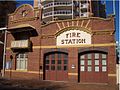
(93, 67)
(56, 67)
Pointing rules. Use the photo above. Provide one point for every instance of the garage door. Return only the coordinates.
(56, 66)
(92, 67)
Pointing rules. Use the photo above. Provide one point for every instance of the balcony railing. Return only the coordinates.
(59, 12)
(57, 4)
(84, 5)
(86, 14)
(20, 44)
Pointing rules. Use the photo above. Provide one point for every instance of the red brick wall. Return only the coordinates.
(47, 37)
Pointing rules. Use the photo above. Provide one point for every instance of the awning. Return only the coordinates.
(24, 28)
(21, 26)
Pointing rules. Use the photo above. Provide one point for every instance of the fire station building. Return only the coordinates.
(76, 50)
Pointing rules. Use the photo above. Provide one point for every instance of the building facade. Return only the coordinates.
(77, 50)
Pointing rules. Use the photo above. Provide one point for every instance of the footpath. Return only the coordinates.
(14, 84)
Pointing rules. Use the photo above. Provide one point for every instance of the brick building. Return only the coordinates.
(77, 50)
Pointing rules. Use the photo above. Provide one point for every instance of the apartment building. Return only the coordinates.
(71, 9)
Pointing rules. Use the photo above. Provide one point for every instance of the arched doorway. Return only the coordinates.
(56, 66)
(92, 67)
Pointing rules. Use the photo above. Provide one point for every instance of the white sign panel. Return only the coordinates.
(73, 37)
(20, 44)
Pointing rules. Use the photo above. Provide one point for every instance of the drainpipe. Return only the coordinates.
(4, 49)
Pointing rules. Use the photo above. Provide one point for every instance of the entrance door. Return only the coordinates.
(92, 67)
(56, 66)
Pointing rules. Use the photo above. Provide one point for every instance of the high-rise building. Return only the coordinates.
(70, 9)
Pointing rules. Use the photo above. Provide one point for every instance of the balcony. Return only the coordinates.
(84, 6)
(86, 14)
(57, 13)
(54, 4)
(20, 44)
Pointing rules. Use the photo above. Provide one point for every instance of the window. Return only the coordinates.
(96, 68)
(89, 56)
(89, 68)
(59, 68)
(65, 68)
(104, 68)
(89, 62)
(59, 62)
(22, 61)
(93, 62)
(96, 62)
(104, 62)
(52, 67)
(96, 55)
(82, 68)
(53, 62)
(47, 67)
(83, 57)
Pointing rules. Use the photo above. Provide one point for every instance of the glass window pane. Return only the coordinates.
(89, 62)
(21, 61)
(52, 67)
(89, 68)
(47, 57)
(59, 62)
(22, 64)
(104, 62)
(89, 56)
(21, 55)
(47, 67)
(47, 61)
(65, 57)
(53, 56)
(96, 55)
(65, 68)
(59, 68)
(96, 62)
(53, 62)
(59, 56)
(65, 61)
(82, 57)
(82, 62)
(96, 68)
(104, 56)
(18, 64)
(82, 68)
(104, 68)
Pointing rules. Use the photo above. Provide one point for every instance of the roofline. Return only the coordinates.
(105, 19)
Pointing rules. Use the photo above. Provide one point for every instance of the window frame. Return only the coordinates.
(20, 59)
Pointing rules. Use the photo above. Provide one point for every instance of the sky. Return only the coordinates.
(109, 10)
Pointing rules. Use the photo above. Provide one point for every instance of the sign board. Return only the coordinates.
(20, 44)
(73, 37)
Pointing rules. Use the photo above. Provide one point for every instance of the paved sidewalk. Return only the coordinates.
(49, 85)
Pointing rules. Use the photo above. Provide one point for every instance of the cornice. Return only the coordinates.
(23, 20)
(77, 19)
(103, 32)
